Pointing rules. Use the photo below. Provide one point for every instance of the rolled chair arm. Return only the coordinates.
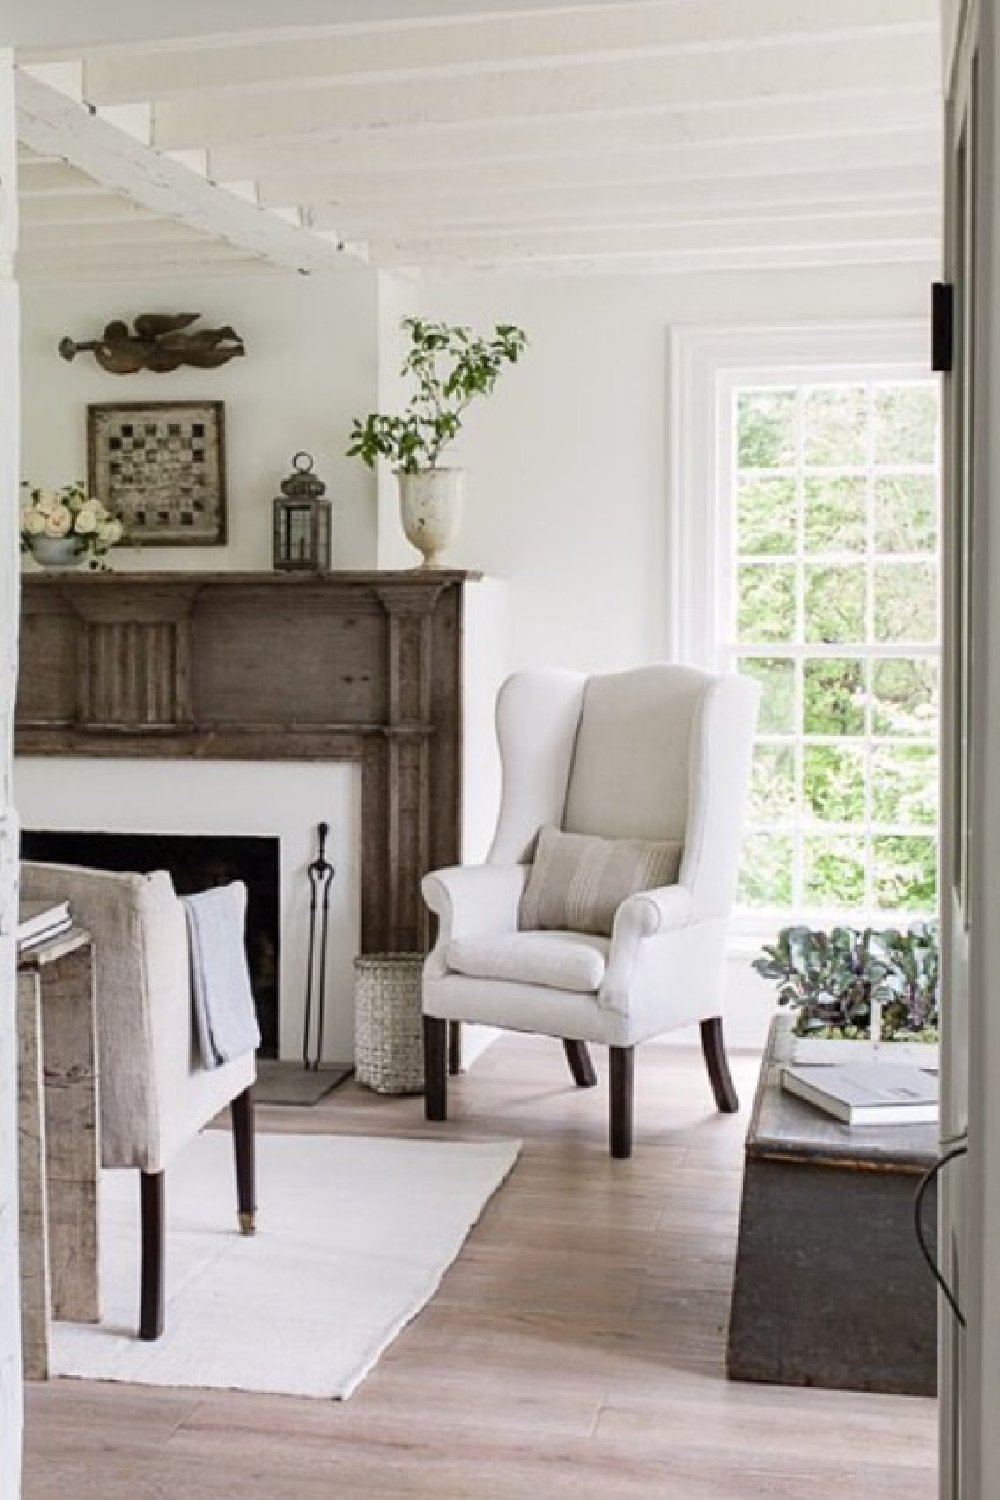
(468, 899)
(646, 915)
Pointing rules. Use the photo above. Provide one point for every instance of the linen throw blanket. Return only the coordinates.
(224, 1011)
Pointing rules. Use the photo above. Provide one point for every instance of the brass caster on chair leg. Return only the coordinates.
(248, 1223)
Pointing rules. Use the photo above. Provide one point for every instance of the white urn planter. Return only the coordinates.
(430, 508)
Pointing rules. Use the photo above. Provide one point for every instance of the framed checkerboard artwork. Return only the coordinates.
(161, 467)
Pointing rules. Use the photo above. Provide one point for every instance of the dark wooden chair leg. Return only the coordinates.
(622, 1061)
(435, 1068)
(152, 1203)
(580, 1064)
(241, 1112)
(714, 1049)
(454, 1048)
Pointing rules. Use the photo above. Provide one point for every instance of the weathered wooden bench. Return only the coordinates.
(829, 1286)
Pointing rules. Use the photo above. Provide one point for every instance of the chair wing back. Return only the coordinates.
(663, 752)
(537, 718)
(140, 952)
(721, 753)
(629, 776)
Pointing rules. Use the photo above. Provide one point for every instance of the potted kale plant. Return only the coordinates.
(833, 981)
(450, 367)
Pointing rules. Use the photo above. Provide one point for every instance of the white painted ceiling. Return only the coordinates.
(666, 135)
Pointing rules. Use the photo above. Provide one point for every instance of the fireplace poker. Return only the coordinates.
(320, 874)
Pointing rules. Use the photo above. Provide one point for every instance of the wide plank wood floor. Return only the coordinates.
(575, 1348)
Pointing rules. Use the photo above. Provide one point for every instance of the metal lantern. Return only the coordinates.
(302, 520)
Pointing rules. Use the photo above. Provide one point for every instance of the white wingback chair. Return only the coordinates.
(661, 753)
(154, 1097)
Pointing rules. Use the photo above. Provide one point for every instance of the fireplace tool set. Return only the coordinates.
(320, 873)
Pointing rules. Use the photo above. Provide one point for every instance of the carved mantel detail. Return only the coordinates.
(259, 666)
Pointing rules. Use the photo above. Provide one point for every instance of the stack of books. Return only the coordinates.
(40, 921)
(867, 1093)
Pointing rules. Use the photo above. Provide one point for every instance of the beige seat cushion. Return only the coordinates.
(578, 881)
(560, 960)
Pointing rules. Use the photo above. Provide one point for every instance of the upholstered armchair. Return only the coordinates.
(647, 770)
(154, 1095)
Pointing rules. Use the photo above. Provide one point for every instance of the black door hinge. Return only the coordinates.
(942, 326)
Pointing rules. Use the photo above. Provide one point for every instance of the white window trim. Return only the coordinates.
(700, 359)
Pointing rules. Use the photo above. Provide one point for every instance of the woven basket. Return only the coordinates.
(388, 1032)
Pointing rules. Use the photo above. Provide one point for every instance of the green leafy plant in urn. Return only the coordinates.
(450, 367)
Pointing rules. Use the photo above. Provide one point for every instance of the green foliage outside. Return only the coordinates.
(836, 500)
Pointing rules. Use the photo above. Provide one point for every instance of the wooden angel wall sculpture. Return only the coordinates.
(160, 342)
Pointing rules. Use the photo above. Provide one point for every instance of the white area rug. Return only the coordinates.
(353, 1237)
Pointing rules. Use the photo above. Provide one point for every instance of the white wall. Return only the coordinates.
(311, 366)
(566, 493)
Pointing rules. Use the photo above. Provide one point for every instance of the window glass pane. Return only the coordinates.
(904, 513)
(905, 866)
(904, 602)
(834, 871)
(834, 693)
(904, 784)
(766, 426)
(904, 696)
(833, 779)
(834, 603)
(776, 676)
(766, 873)
(834, 546)
(772, 783)
(766, 602)
(835, 513)
(766, 515)
(835, 426)
(904, 424)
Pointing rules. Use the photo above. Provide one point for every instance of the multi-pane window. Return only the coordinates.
(833, 607)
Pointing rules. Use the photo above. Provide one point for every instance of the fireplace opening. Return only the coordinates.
(195, 862)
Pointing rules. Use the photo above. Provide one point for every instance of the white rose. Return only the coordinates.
(59, 521)
(45, 502)
(110, 532)
(87, 520)
(32, 521)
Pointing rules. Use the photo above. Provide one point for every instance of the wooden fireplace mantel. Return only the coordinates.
(365, 667)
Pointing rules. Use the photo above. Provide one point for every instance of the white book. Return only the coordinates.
(38, 920)
(867, 1093)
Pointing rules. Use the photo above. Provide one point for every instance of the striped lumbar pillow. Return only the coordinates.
(578, 881)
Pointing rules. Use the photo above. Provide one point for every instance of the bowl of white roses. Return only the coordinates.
(62, 528)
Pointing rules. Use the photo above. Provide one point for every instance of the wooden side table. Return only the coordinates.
(829, 1287)
(59, 1140)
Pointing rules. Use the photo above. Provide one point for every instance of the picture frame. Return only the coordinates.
(160, 466)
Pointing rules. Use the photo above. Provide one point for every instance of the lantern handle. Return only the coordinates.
(305, 468)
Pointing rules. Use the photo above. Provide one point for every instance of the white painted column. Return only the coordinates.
(10, 1331)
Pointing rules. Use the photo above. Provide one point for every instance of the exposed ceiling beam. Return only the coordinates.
(802, 73)
(51, 178)
(448, 48)
(55, 125)
(894, 127)
(454, 202)
(639, 262)
(520, 256)
(80, 208)
(815, 236)
(112, 263)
